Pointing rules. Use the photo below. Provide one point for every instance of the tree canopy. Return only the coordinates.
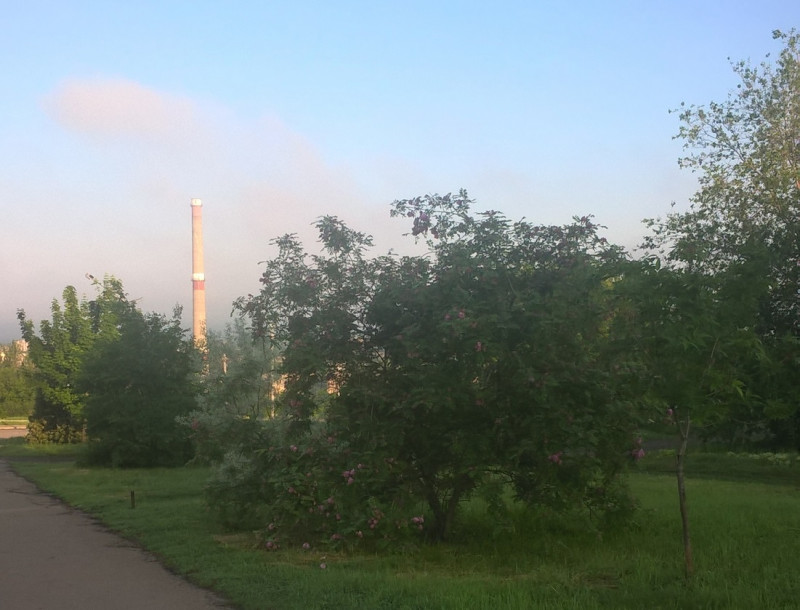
(489, 356)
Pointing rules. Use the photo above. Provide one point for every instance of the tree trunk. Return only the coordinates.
(687, 542)
(444, 509)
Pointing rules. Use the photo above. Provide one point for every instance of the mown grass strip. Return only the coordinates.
(744, 537)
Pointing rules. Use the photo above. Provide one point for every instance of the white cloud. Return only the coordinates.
(119, 107)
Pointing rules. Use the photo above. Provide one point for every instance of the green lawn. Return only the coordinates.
(745, 537)
(13, 421)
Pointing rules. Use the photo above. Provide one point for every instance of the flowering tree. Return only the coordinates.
(431, 374)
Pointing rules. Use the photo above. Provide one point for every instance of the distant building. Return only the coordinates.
(18, 351)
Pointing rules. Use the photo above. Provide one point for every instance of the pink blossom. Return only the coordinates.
(331, 500)
(306, 546)
(637, 454)
(292, 490)
(293, 448)
(556, 457)
(461, 315)
(323, 565)
(360, 534)
(669, 412)
(350, 480)
(447, 316)
(479, 347)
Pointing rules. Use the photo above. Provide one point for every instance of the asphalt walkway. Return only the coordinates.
(53, 557)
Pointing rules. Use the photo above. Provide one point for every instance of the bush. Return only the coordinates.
(489, 356)
(311, 488)
(137, 385)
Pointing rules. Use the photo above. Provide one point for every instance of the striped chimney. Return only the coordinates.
(198, 276)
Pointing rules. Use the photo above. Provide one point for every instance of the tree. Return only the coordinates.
(136, 384)
(57, 353)
(17, 391)
(746, 151)
(487, 358)
(236, 393)
(717, 316)
(694, 354)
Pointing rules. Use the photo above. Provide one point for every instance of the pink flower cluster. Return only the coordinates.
(375, 519)
(418, 521)
(555, 457)
(461, 314)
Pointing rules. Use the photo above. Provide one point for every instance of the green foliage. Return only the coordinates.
(57, 353)
(488, 356)
(686, 331)
(741, 235)
(236, 394)
(17, 390)
(136, 384)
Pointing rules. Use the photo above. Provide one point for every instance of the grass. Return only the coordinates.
(14, 421)
(17, 449)
(744, 535)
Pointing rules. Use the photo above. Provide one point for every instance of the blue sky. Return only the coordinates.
(113, 115)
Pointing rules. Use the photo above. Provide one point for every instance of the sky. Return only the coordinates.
(115, 114)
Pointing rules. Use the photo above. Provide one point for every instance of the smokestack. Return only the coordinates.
(198, 276)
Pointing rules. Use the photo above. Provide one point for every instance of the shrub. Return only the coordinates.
(136, 386)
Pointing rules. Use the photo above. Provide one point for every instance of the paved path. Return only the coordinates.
(55, 557)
